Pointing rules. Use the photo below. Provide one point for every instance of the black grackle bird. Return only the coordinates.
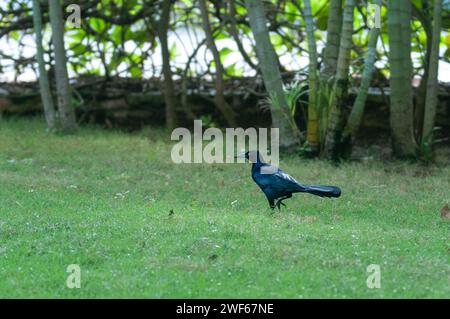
(278, 186)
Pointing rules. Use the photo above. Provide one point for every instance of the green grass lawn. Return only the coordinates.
(102, 200)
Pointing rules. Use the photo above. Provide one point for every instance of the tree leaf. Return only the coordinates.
(97, 24)
(224, 52)
(135, 72)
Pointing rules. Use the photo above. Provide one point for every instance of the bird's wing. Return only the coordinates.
(288, 180)
(279, 180)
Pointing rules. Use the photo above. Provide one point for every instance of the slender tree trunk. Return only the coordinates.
(46, 96)
(331, 50)
(312, 130)
(65, 109)
(330, 59)
(399, 31)
(419, 106)
(406, 17)
(432, 83)
(268, 64)
(339, 94)
(221, 103)
(169, 91)
(355, 118)
(233, 30)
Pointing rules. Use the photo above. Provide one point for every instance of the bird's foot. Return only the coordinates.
(279, 203)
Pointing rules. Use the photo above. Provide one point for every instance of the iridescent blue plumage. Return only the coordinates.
(277, 185)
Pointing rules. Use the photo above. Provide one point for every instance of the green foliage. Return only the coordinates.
(77, 99)
(173, 51)
(98, 37)
(135, 72)
(272, 102)
(97, 24)
(15, 35)
(306, 151)
(233, 70)
(294, 92)
(208, 121)
(224, 52)
(425, 148)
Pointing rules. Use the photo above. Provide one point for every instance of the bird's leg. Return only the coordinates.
(280, 201)
(272, 204)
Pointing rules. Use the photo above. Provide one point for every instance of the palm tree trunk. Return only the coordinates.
(355, 118)
(221, 103)
(339, 94)
(312, 129)
(432, 83)
(419, 106)
(65, 109)
(46, 96)
(268, 64)
(169, 91)
(334, 28)
(399, 31)
(330, 58)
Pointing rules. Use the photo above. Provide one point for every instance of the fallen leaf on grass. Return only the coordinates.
(213, 257)
(445, 212)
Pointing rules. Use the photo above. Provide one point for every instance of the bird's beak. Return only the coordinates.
(242, 155)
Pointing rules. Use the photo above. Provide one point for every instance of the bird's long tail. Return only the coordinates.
(322, 191)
